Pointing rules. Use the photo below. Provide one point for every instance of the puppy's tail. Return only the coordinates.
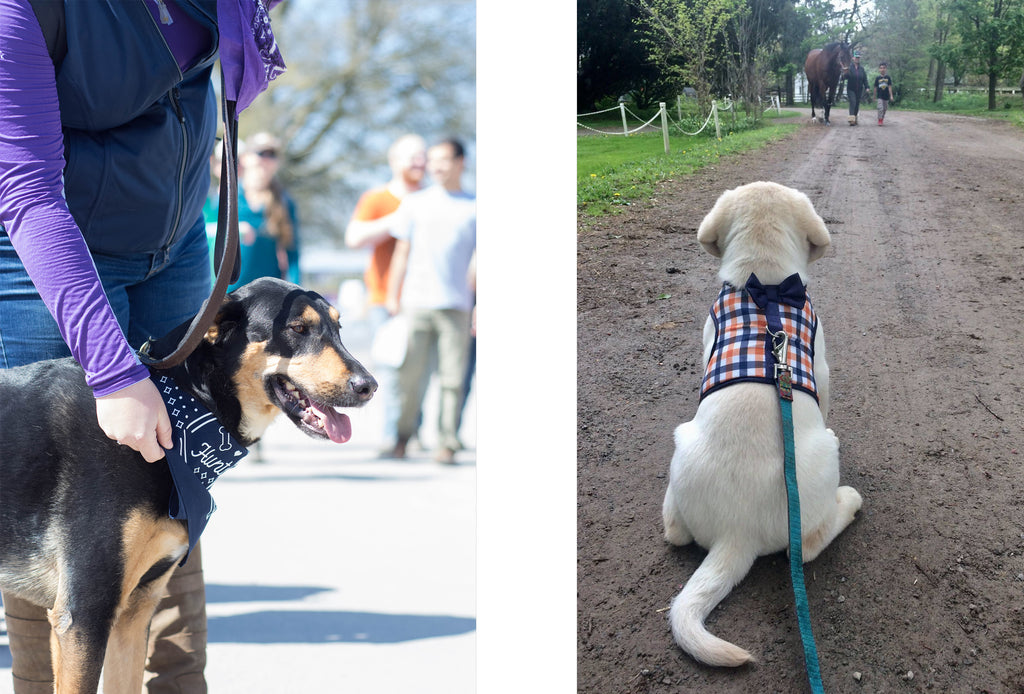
(723, 568)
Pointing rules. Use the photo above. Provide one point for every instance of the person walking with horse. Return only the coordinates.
(856, 86)
(883, 91)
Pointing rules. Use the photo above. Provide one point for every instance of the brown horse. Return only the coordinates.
(824, 67)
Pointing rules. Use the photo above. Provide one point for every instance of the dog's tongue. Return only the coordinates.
(337, 425)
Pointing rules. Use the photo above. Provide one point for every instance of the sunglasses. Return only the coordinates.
(267, 154)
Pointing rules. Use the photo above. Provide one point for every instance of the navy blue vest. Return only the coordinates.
(137, 133)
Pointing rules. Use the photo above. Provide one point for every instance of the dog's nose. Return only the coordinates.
(363, 385)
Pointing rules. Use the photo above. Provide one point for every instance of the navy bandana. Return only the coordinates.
(203, 450)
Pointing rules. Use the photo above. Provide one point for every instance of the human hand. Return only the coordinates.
(136, 416)
(393, 306)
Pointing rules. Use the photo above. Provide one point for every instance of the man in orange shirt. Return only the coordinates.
(370, 227)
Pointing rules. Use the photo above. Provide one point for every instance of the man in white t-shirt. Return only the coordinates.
(430, 270)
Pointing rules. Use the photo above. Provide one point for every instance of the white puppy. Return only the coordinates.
(726, 488)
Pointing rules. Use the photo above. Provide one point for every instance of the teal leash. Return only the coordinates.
(783, 377)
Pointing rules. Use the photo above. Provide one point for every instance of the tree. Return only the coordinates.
(788, 59)
(992, 37)
(687, 38)
(900, 35)
(611, 59)
(360, 74)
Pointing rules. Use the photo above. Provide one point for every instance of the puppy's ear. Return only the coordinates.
(714, 227)
(817, 233)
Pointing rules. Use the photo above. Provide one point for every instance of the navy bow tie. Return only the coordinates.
(790, 291)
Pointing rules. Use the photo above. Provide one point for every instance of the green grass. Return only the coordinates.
(613, 171)
(1008, 107)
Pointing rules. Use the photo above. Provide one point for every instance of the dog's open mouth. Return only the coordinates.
(315, 418)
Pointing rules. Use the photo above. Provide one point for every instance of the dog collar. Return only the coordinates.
(203, 450)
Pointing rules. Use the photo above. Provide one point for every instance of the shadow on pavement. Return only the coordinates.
(303, 479)
(222, 593)
(333, 627)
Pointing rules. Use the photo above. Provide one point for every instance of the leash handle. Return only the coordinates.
(226, 248)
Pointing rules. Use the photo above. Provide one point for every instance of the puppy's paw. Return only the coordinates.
(833, 435)
(676, 534)
(849, 500)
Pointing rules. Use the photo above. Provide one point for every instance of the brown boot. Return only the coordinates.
(29, 633)
(177, 635)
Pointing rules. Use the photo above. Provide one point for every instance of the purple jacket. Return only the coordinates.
(33, 206)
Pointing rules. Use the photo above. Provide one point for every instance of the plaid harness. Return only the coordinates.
(742, 350)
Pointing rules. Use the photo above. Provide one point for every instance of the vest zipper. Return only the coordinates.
(175, 96)
(165, 15)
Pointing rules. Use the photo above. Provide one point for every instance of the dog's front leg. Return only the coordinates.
(76, 647)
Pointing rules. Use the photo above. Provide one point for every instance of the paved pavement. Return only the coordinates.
(328, 570)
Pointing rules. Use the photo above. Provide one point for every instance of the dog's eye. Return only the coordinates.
(300, 328)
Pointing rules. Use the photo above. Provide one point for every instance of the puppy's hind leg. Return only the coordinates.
(676, 532)
(848, 502)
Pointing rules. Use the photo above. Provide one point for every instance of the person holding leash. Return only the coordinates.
(104, 146)
(883, 91)
(856, 85)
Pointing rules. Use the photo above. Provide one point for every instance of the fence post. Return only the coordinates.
(664, 125)
(622, 110)
(714, 112)
(679, 107)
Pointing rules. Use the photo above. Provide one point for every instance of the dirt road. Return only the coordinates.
(921, 296)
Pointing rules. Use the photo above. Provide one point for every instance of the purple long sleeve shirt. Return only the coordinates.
(32, 206)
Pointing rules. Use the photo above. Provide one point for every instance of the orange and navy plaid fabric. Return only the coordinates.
(742, 348)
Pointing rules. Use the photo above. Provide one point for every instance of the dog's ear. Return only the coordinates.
(817, 233)
(714, 227)
(227, 319)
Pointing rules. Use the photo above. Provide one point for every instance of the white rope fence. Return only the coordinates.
(625, 128)
(727, 105)
(663, 115)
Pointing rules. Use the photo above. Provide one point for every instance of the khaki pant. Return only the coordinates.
(446, 333)
(177, 638)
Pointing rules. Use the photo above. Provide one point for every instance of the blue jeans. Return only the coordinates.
(151, 293)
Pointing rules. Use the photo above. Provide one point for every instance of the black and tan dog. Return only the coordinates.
(84, 526)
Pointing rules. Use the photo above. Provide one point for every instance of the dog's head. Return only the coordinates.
(283, 347)
(766, 229)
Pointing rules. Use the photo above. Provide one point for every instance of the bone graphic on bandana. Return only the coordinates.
(202, 452)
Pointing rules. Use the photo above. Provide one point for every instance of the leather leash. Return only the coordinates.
(225, 256)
